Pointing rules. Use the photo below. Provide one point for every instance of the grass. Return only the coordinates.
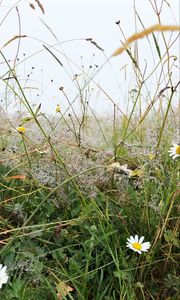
(66, 211)
(82, 241)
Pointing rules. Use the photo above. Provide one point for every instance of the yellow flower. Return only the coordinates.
(58, 108)
(137, 172)
(21, 129)
(151, 156)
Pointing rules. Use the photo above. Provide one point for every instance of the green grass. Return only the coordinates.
(82, 240)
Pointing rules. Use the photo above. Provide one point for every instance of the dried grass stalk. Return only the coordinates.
(40, 6)
(32, 5)
(144, 33)
(14, 38)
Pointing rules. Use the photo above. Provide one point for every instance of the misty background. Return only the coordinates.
(65, 29)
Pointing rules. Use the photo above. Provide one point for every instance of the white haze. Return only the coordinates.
(70, 22)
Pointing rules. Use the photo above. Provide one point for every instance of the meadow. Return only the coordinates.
(89, 205)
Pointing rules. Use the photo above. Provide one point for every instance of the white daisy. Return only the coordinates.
(136, 244)
(174, 151)
(3, 275)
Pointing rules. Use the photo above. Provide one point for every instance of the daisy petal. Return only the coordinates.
(145, 246)
(135, 250)
(130, 240)
(141, 239)
(136, 238)
(3, 275)
(176, 155)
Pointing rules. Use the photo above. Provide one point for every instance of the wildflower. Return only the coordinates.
(137, 172)
(174, 151)
(21, 129)
(58, 108)
(3, 275)
(151, 156)
(137, 245)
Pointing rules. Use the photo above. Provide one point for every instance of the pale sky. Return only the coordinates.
(73, 21)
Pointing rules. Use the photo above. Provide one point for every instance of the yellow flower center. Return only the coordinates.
(178, 150)
(137, 246)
